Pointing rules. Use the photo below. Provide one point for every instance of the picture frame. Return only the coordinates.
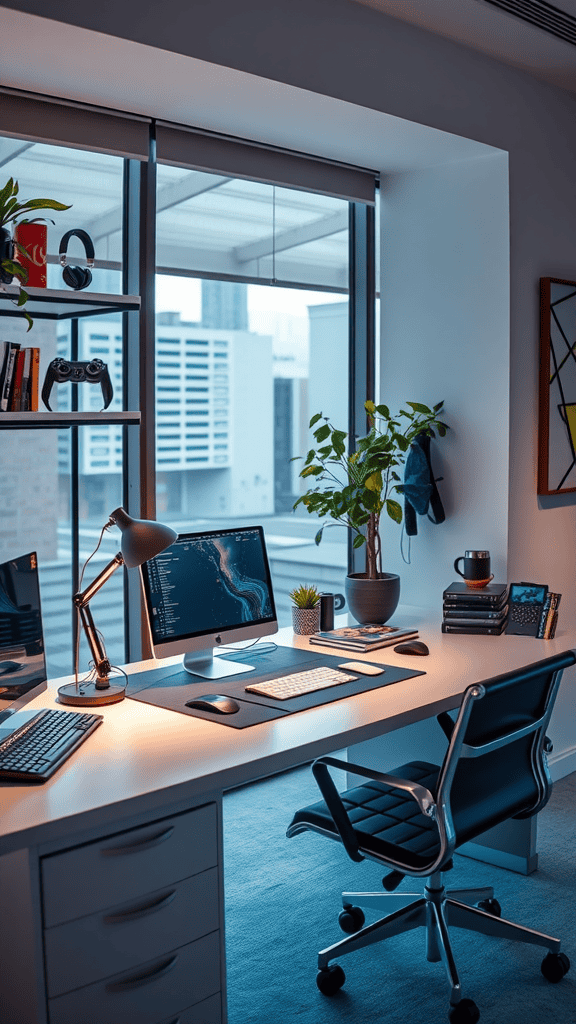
(557, 387)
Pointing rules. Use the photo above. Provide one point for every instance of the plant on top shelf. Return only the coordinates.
(305, 596)
(354, 489)
(14, 212)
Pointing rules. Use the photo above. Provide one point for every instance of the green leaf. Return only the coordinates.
(438, 406)
(322, 433)
(384, 411)
(323, 453)
(418, 407)
(318, 536)
(311, 471)
(7, 191)
(315, 419)
(359, 540)
(374, 482)
(394, 510)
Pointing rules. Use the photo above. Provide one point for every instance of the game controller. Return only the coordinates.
(94, 372)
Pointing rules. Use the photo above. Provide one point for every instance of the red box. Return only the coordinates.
(33, 238)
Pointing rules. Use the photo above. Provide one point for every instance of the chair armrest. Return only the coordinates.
(420, 794)
(332, 799)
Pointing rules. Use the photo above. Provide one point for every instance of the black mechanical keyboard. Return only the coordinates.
(34, 752)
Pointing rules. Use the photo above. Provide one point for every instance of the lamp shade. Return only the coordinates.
(141, 538)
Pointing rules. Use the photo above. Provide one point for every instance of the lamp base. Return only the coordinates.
(88, 696)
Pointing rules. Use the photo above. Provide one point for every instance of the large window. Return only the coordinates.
(245, 355)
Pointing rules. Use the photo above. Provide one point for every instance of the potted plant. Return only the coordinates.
(13, 212)
(305, 610)
(354, 489)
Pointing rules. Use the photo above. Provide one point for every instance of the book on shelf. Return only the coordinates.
(363, 638)
(549, 616)
(493, 630)
(491, 594)
(17, 387)
(25, 385)
(13, 347)
(34, 379)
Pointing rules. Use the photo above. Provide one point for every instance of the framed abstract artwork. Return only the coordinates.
(557, 406)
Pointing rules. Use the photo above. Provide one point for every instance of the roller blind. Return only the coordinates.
(196, 150)
(67, 124)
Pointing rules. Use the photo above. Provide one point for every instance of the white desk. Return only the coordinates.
(146, 769)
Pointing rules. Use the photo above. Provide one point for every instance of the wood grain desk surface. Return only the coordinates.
(143, 756)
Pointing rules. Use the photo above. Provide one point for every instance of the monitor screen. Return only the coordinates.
(22, 662)
(206, 590)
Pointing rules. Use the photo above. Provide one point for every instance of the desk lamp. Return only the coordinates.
(141, 539)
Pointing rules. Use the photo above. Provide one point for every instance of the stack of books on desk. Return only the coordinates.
(466, 610)
(363, 638)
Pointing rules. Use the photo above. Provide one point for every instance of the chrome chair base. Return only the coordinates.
(436, 910)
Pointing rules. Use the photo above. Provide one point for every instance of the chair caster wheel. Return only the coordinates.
(330, 980)
(554, 966)
(490, 907)
(465, 1012)
(351, 919)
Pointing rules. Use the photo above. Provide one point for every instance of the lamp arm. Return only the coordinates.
(81, 602)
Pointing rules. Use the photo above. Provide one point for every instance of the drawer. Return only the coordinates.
(94, 947)
(209, 1011)
(148, 993)
(128, 864)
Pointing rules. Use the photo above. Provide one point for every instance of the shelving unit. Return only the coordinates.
(35, 420)
(68, 305)
(56, 304)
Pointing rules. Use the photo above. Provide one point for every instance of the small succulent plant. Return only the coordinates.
(305, 596)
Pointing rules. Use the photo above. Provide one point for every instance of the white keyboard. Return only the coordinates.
(298, 683)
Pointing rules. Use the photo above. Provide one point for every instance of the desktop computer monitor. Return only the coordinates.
(207, 590)
(22, 661)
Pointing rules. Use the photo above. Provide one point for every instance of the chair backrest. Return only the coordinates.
(495, 767)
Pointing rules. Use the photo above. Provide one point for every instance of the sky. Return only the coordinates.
(184, 294)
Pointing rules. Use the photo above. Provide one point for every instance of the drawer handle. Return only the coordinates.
(138, 844)
(144, 978)
(141, 910)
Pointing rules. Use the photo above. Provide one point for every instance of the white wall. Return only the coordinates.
(445, 332)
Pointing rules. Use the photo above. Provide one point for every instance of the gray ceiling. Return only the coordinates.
(501, 33)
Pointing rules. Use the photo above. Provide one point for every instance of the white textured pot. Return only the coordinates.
(306, 620)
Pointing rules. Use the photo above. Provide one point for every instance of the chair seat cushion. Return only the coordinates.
(388, 822)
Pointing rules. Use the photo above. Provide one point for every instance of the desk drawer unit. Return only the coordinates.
(147, 994)
(131, 925)
(127, 865)
(207, 1012)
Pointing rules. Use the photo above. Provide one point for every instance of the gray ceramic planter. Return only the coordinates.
(372, 600)
(306, 620)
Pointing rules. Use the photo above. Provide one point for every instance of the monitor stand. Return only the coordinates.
(204, 664)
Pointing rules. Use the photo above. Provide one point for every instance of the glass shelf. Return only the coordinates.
(37, 420)
(56, 304)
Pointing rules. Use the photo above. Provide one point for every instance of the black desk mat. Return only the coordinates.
(172, 687)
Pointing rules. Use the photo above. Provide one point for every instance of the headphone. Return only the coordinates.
(77, 277)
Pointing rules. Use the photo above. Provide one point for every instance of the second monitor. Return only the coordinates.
(207, 590)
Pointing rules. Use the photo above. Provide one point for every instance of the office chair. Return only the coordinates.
(414, 818)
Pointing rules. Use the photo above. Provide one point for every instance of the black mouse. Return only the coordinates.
(412, 647)
(214, 702)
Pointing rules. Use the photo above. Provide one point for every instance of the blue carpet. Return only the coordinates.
(283, 899)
